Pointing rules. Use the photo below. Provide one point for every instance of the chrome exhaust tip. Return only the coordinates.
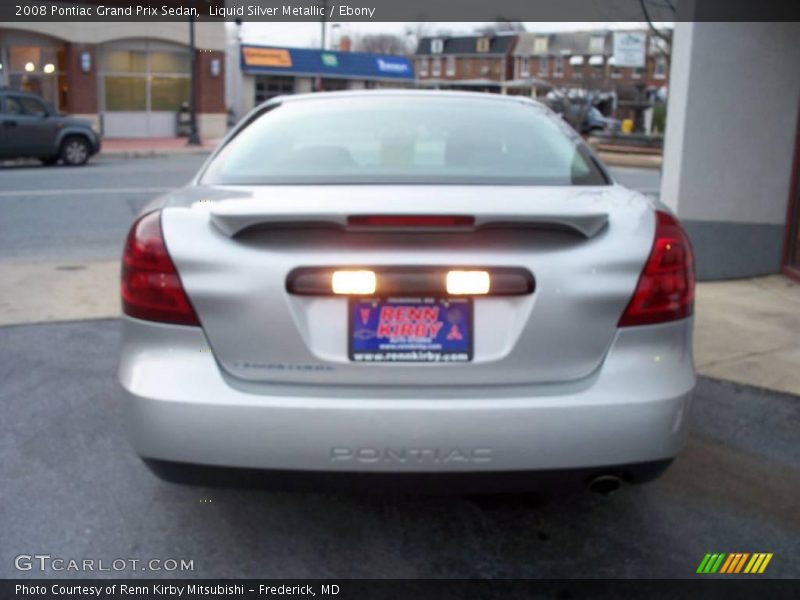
(605, 484)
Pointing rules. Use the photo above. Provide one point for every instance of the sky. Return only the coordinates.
(308, 34)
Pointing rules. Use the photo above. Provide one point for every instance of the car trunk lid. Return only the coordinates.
(235, 248)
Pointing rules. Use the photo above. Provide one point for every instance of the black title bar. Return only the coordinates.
(731, 588)
(402, 10)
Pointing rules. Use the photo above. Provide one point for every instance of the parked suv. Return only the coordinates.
(31, 128)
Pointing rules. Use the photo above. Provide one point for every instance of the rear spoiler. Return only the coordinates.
(234, 217)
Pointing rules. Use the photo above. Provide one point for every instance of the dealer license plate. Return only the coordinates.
(410, 330)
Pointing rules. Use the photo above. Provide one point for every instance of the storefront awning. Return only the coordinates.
(316, 63)
(596, 60)
(576, 61)
(450, 83)
(529, 82)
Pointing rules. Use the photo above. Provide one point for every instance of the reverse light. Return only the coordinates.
(353, 282)
(665, 291)
(150, 286)
(460, 283)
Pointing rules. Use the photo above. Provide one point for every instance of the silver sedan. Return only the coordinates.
(401, 285)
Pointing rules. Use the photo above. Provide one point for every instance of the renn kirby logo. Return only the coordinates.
(736, 562)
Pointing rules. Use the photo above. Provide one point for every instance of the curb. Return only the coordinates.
(641, 161)
(153, 153)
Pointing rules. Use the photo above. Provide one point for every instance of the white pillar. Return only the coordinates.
(734, 93)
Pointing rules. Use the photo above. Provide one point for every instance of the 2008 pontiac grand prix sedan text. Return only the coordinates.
(446, 285)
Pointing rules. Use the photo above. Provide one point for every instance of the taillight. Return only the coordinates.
(665, 291)
(151, 288)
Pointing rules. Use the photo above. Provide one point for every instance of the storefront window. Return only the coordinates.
(170, 62)
(35, 69)
(269, 87)
(31, 58)
(334, 85)
(126, 93)
(145, 79)
(124, 61)
(168, 93)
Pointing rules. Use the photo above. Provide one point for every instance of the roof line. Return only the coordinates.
(324, 74)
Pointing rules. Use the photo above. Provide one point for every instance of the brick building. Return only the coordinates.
(473, 62)
(583, 62)
(583, 59)
(532, 64)
(128, 78)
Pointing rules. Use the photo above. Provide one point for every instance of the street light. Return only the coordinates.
(322, 24)
(237, 79)
(324, 3)
(194, 137)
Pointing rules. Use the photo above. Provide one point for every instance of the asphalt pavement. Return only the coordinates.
(81, 213)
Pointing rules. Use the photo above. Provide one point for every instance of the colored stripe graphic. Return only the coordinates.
(740, 564)
(717, 564)
(710, 563)
(727, 564)
(734, 563)
(728, 567)
(764, 564)
(703, 563)
(755, 562)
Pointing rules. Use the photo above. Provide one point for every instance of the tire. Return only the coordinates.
(75, 151)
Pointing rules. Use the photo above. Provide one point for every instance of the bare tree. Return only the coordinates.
(381, 43)
(663, 35)
(501, 27)
(662, 38)
(416, 31)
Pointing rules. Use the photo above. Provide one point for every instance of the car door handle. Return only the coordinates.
(9, 123)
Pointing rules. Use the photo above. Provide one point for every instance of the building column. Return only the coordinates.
(210, 88)
(731, 122)
(81, 90)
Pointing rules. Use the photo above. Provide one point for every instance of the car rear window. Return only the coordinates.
(405, 139)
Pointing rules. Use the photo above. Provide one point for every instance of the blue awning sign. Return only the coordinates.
(310, 62)
(329, 60)
(386, 65)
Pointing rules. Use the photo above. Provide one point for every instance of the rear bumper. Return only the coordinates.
(180, 408)
(471, 482)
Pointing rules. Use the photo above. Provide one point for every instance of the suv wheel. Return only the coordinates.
(74, 151)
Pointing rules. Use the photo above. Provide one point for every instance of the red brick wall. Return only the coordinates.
(591, 75)
(467, 67)
(80, 92)
(210, 89)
